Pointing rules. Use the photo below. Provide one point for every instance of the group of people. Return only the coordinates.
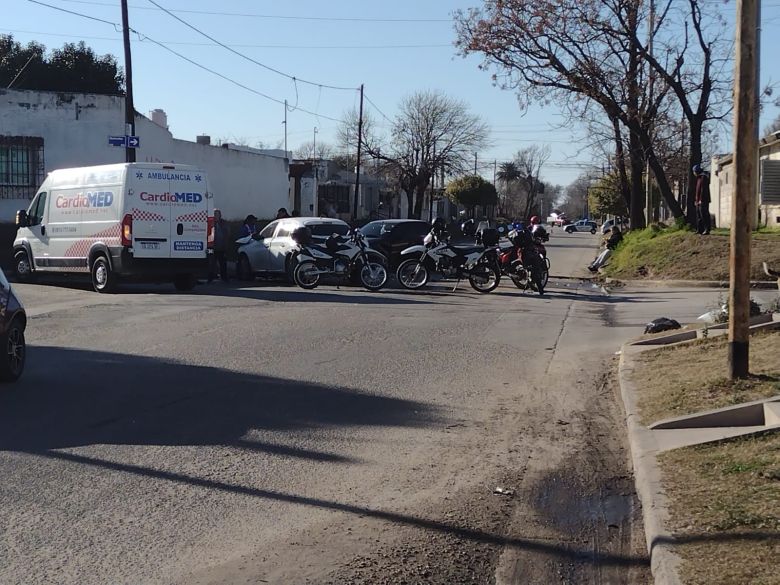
(221, 229)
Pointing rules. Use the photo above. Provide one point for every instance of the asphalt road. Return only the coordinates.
(268, 434)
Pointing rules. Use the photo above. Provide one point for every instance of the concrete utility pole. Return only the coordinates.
(746, 80)
(129, 107)
(357, 167)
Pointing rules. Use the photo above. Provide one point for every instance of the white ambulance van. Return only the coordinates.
(132, 221)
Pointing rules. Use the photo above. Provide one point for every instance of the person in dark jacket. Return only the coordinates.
(250, 226)
(610, 244)
(702, 200)
(219, 257)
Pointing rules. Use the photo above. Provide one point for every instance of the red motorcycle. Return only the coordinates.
(522, 261)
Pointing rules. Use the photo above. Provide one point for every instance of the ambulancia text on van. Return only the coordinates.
(132, 221)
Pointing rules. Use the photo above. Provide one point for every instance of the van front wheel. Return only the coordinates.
(23, 266)
(103, 279)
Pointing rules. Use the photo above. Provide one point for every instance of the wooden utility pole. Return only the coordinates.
(746, 79)
(129, 107)
(357, 166)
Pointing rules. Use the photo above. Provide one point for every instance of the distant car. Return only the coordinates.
(393, 236)
(13, 350)
(583, 225)
(610, 223)
(272, 251)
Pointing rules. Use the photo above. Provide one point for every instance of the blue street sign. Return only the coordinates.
(133, 141)
(117, 140)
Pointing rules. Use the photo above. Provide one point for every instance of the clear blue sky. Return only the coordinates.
(306, 39)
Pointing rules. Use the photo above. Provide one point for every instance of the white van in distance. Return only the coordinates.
(131, 221)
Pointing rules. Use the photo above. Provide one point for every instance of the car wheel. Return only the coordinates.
(103, 279)
(23, 266)
(13, 352)
(244, 268)
(593, 230)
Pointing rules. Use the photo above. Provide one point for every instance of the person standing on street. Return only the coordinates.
(219, 258)
(702, 201)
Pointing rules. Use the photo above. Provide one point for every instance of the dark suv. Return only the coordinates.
(13, 321)
(393, 236)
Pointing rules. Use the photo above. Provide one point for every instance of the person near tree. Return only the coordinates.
(702, 200)
(610, 244)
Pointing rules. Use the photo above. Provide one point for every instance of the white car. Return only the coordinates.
(273, 250)
(584, 225)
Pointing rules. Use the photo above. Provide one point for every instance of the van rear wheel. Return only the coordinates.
(103, 279)
(184, 282)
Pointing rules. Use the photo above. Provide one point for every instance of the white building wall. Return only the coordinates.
(75, 130)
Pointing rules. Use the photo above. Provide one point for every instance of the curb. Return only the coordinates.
(664, 562)
(754, 284)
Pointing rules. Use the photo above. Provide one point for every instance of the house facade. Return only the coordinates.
(766, 200)
(42, 131)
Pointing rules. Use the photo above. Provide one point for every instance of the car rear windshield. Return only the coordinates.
(327, 229)
(373, 229)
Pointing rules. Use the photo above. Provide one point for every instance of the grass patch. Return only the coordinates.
(676, 253)
(684, 379)
(725, 509)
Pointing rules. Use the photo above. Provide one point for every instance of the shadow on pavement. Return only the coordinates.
(69, 398)
(585, 555)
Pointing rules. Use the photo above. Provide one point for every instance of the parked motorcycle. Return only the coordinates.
(438, 256)
(522, 262)
(540, 236)
(339, 256)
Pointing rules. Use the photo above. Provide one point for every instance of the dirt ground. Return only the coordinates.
(578, 524)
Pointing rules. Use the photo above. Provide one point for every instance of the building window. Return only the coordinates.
(21, 166)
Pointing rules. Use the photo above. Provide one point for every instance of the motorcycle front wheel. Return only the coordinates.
(412, 274)
(373, 275)
(484, 278)
(307, 275)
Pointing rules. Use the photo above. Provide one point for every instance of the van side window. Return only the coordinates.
(37, 209)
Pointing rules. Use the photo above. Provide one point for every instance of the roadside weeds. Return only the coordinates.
(714, 509)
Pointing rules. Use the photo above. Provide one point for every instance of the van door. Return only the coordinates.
(37, 215)
(189, 214)
(148, 202)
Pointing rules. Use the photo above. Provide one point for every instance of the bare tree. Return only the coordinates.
(431, 134)
(594, 50)
(306, 150)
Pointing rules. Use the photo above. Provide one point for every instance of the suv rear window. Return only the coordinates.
(327, 229)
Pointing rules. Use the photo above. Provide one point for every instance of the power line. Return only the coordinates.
(246, 57)
(236, 45)
(276, 16)
(381, 113)
(162, 45)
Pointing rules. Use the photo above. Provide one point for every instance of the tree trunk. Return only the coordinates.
(419, 200)
(620, 161)
(410, 203)
(637, 197)
(660, 176)
(694, 157)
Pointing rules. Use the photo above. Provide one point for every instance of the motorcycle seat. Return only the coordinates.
(465, 250)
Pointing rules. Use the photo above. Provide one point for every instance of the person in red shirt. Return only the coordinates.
(702, 201)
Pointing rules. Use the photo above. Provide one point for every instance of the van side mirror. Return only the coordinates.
(21, 218)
